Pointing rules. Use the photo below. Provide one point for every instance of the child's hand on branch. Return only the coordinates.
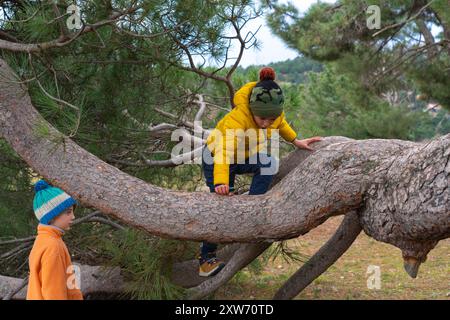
(222, 189)
(304, 144)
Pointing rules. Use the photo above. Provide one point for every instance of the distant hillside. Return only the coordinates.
(293, 71)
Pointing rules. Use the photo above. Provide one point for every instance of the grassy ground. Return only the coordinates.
(348, 278)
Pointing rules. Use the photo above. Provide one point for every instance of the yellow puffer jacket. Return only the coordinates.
(240, 118)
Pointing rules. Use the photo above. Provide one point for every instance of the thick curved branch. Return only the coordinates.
(162, 212)
(340, 177)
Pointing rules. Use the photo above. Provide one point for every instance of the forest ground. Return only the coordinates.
(348, 278)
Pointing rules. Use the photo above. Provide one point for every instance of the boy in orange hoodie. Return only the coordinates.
(52, 275)
(258, 105)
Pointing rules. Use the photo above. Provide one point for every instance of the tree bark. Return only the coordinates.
(428, 36)
(94, 279)
(399, 188)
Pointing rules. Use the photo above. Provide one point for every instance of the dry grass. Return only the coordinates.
(347, 279)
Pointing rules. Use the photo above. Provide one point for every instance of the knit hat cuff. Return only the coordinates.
(262, 110)
(60, 208)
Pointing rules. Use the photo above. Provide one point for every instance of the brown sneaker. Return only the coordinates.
(210, 267)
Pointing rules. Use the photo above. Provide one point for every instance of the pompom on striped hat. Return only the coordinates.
(50, 201)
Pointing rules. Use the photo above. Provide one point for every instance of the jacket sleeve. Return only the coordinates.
(54, 277)
(286, 131)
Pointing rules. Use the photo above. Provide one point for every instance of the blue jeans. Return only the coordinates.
(260, 182)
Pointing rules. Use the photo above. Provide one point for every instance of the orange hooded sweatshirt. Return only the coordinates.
(51, 268)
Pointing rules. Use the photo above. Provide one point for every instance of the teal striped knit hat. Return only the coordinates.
(50, 201)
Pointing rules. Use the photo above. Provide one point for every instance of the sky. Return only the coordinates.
(272, 48)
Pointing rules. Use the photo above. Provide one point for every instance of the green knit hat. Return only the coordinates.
(266, 99)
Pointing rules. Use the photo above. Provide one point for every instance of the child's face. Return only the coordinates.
(65, 219)
(264, 122)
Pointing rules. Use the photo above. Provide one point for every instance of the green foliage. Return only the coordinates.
(282, 250)
(432, 79)
(16, 214)
(147, 264)
(40, 27)
(337, 32)
(332, 104)
(17, 219)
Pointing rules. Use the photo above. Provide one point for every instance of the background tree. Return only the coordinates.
(411, 50)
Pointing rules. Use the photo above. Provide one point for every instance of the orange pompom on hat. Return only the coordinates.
(267, 73)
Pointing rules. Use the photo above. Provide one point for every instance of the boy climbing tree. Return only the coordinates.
(258, 105)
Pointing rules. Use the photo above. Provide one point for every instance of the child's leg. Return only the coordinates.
(208, 168)
(264, 170)
(209, 265)
(263, 177)
(207, 248)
